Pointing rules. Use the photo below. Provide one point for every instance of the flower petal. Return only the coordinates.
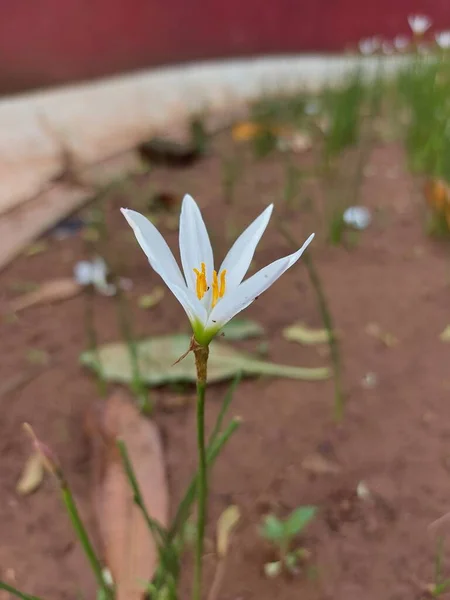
(155, 247)
(240, 255)
(194, 309)
(248, 291)
(195, 246)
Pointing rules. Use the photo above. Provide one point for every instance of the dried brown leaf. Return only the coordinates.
(32, 475)
(50, 291)
(128, 547)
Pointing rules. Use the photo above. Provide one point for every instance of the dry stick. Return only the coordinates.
(339, 397)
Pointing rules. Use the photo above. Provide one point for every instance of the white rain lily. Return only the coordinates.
(401, 42)
(419, 24)
(357, 216)
(94, 273)
(443, 39)
(369, 46)
(210, 298)
(387, 48)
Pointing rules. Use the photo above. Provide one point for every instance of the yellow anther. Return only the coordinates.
(223, 283)
(218, 284)
(215, 289)
(200, 285)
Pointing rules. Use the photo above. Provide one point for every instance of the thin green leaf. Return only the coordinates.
(272, 529)
(298, 520)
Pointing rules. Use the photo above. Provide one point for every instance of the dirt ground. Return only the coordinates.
(395, 436)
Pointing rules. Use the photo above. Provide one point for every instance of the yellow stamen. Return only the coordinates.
(218, 284)
(215, 289)
(223, 283)
(200, 284)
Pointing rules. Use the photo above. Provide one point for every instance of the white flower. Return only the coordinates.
(357, 217)
(387, 48)
(210, 298)
(401, 42)
(94, 273)
(419, 24)
(369, 45)
(443, 39)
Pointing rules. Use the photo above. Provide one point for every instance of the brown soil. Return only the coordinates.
(394, 437)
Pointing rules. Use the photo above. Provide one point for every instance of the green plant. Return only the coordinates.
(441, 584)
(423, 90)
(281, 533)
(344, 110)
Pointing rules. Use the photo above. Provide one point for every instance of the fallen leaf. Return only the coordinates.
(157, 356)
(305, 335)
(128, 547)
(386, 338)
(242, 329)
(151, 300)
(445, 335)
(225, 525)
(317, 464)
(242, 132)
(437, 194)
(32, 475)
(48, 292)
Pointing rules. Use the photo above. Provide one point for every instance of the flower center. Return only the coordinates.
(218, 284)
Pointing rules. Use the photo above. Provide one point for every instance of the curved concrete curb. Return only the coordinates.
(98, 120)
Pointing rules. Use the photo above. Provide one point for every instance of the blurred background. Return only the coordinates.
(51, 42)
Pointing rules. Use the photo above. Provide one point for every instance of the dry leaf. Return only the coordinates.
(445, 335)
(225, 525)
(242, 132)
(319, 465)
(32, 475)
(48, 292)
(437, 194)
(152, 299)
(128, 546)
(299, 332)
(374, 330)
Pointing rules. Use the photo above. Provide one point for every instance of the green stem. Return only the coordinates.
(15, 592)
(213, 452)
(202, 488)
(339, 397)
(84, 538)
(155, 528)
(223, 411)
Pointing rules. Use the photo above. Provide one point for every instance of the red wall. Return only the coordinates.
(55, 41)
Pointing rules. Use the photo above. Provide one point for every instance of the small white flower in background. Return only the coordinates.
(357, 217)
(210, 298)
(401, 42)
(419, 24)
(443, 39)
(369, 46)
(94, 273)
(387, 48)
(312, 107)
